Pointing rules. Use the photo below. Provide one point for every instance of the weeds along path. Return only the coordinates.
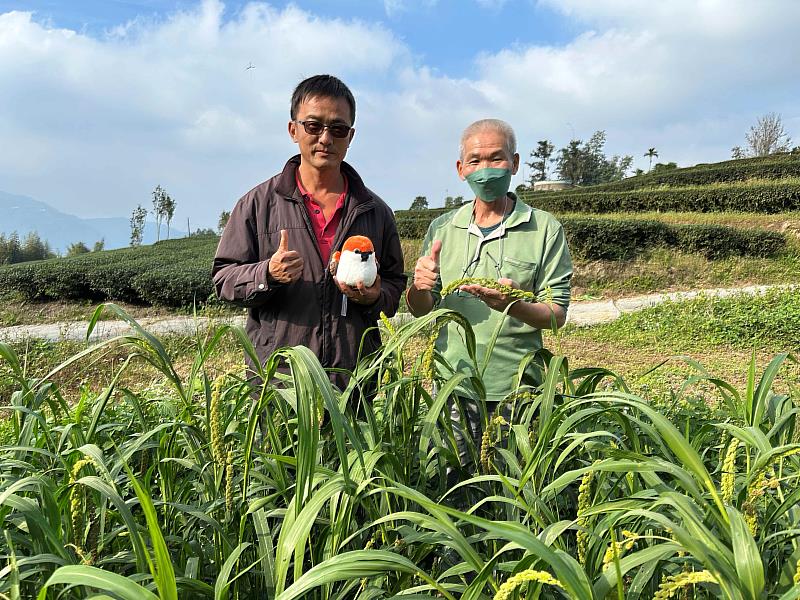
(580, 313)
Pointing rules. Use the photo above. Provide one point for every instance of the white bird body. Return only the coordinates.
(353, 268)
(356, 262)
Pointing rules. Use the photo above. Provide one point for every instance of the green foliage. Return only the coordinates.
(224, 217)
(540, 166)
(138, 217)
(174, 273)
(756, 196)
(32, 248)
(182, 284)
(651, 154)
(614, 239)
(326, 494)
(451, 202)
(661, 167)
(777, 166)
(163, 209)
(77, 249)
(586, 163)
(621, 240)
(419, 203)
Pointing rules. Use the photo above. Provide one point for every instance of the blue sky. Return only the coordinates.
(450, 48)
(104, 99)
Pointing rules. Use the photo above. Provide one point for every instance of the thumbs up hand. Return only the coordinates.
(285, 266)
(426, 271)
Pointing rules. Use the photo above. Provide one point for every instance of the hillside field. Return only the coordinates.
(658, 458)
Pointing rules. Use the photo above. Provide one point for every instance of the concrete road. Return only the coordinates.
(580, 313)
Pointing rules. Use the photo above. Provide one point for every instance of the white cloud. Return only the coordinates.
(91, 125)
(686, 76)
(392, 7)
(150, 100)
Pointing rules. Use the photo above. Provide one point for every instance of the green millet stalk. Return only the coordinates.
(617, 549)
(674, 583)
(387, 323)
(488, 440)
(755, 491)
(729, 471)
(76, 501)
(427, 369)
(509, 291)
(523, 577)
(92, 538)
(723, 445)
(215, 422)
(229, 481)
(584, 503)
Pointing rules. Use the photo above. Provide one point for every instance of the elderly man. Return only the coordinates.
(274, 253)
(500, 238)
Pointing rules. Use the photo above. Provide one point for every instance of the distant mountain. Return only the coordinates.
(24, 214)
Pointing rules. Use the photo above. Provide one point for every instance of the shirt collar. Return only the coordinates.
(520, 214)
(307, 196)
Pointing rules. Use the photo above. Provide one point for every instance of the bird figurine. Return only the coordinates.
(356, 262)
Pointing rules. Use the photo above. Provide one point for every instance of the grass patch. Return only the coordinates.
(662, 270)
(658, 373)
(39, 357)
(16, 310)
(768, 322)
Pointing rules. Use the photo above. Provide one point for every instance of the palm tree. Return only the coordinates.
(651, 154)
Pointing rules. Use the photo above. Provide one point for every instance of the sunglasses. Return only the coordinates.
(338, 130)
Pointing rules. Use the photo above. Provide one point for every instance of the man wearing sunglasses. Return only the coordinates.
(500, 238)
(274, 253)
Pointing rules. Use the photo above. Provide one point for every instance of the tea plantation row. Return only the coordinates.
(758, 196)
(176, 273)
(622, 239)
(172, 273)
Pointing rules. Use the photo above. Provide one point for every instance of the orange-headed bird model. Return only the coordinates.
(356, 262)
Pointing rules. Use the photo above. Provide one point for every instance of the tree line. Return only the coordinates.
(163, 211)
(585, 163)
(33, 247)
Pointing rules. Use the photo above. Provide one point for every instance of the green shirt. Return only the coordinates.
(530, 248)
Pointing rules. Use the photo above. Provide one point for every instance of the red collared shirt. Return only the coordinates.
(324, 230)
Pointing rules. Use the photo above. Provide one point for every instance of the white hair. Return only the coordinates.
(493, 125)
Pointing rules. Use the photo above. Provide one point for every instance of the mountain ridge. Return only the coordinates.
(23, 215)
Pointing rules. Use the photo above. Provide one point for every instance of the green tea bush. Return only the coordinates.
(615, 239)
(763, 197)
(169, 273)
(183, 284)
(759, 196)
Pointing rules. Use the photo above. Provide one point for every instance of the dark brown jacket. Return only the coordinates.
(307, 311)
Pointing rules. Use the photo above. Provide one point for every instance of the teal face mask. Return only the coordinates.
(490, 184)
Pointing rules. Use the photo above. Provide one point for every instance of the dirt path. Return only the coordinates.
(580, 313)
